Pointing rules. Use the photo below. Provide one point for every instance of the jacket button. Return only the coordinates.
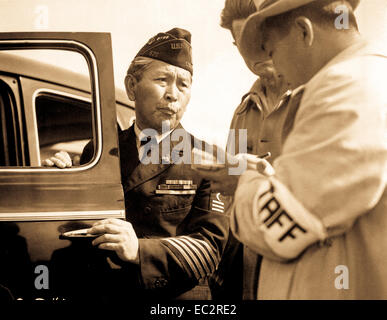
(147, 210)
(161, 283)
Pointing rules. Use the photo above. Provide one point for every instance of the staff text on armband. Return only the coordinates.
(273, 214)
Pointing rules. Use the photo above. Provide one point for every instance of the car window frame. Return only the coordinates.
(71, 45)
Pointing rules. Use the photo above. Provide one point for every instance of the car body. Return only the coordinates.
(45, 109)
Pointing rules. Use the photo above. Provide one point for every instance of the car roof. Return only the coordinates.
(17, 64)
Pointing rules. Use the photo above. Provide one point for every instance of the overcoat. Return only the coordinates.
(325, 234)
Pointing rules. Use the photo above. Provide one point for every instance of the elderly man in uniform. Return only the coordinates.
(320, 220)
(174, 234)
(262, 114)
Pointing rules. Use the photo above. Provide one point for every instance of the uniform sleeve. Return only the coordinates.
(331, 172)
(176, 264)
(87, 153)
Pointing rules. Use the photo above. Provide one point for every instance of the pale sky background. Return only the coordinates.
(220, 75)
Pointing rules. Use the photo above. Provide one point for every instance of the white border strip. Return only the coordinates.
(97, 107)
(61, 215)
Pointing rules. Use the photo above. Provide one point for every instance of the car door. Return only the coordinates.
(42, 108)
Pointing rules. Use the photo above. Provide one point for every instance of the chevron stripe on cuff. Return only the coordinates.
(198, 254)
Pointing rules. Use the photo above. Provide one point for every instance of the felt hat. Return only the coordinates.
(251, 35)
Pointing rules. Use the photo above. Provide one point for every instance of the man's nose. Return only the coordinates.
(171, 93)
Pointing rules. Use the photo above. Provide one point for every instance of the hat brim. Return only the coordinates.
(251, 35)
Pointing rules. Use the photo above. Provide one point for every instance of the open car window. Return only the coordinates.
(63, 124)
(49, 107)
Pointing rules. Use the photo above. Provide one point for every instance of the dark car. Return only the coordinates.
(44, 109)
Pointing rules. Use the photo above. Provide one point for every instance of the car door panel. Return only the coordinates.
(38, 204)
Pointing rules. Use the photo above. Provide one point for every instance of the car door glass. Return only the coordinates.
(63, 124)
(45, 106)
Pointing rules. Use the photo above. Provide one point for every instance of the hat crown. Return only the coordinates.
(262, 4)
(251, 34)
(180, 34)
(266, 3)
(173, 47)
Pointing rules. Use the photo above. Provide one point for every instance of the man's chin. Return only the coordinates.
(166, 125)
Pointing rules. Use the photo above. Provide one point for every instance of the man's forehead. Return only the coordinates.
(166, 68)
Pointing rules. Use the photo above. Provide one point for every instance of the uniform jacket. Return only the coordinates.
(181, 236)
(238, 271)
(264, 131)
(321, 221)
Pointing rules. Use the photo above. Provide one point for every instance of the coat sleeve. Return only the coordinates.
(331, 172)
(176, 264)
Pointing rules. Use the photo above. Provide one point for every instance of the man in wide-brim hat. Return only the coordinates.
(320, 221)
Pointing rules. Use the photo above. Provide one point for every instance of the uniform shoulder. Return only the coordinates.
(246, 101)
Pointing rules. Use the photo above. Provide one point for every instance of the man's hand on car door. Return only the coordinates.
(61, 160)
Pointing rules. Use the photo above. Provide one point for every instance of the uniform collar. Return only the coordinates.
(141, 136)
(257, 97)
(297, 90)
(257, 100)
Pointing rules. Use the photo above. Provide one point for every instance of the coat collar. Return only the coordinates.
(168, 149)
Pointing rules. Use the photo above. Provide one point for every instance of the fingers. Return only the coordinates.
(63, 158)
(47, 163)
(265, 168)
(107, 238)
(117, 235)
(261, 166)
(105, 228)
(60, 159)
(110, 246)
(112, 221)
(58, 163)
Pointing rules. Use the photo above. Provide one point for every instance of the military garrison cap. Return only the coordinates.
(173, 47)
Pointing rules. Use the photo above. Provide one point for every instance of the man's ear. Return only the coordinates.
(305, 28)
(130, 86)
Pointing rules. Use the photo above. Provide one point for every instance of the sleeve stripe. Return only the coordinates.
(214, 205)
(207, 250)
(218, 202)
(199, 253)
(181, 247)
(215, 209)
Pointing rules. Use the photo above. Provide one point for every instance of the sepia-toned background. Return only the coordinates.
(220, 76)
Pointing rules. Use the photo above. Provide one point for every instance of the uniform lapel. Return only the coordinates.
(128, 152)
(145, 172)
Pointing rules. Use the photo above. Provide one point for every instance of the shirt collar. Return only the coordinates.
(283, 98)
(258, 101)
(140, 135)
